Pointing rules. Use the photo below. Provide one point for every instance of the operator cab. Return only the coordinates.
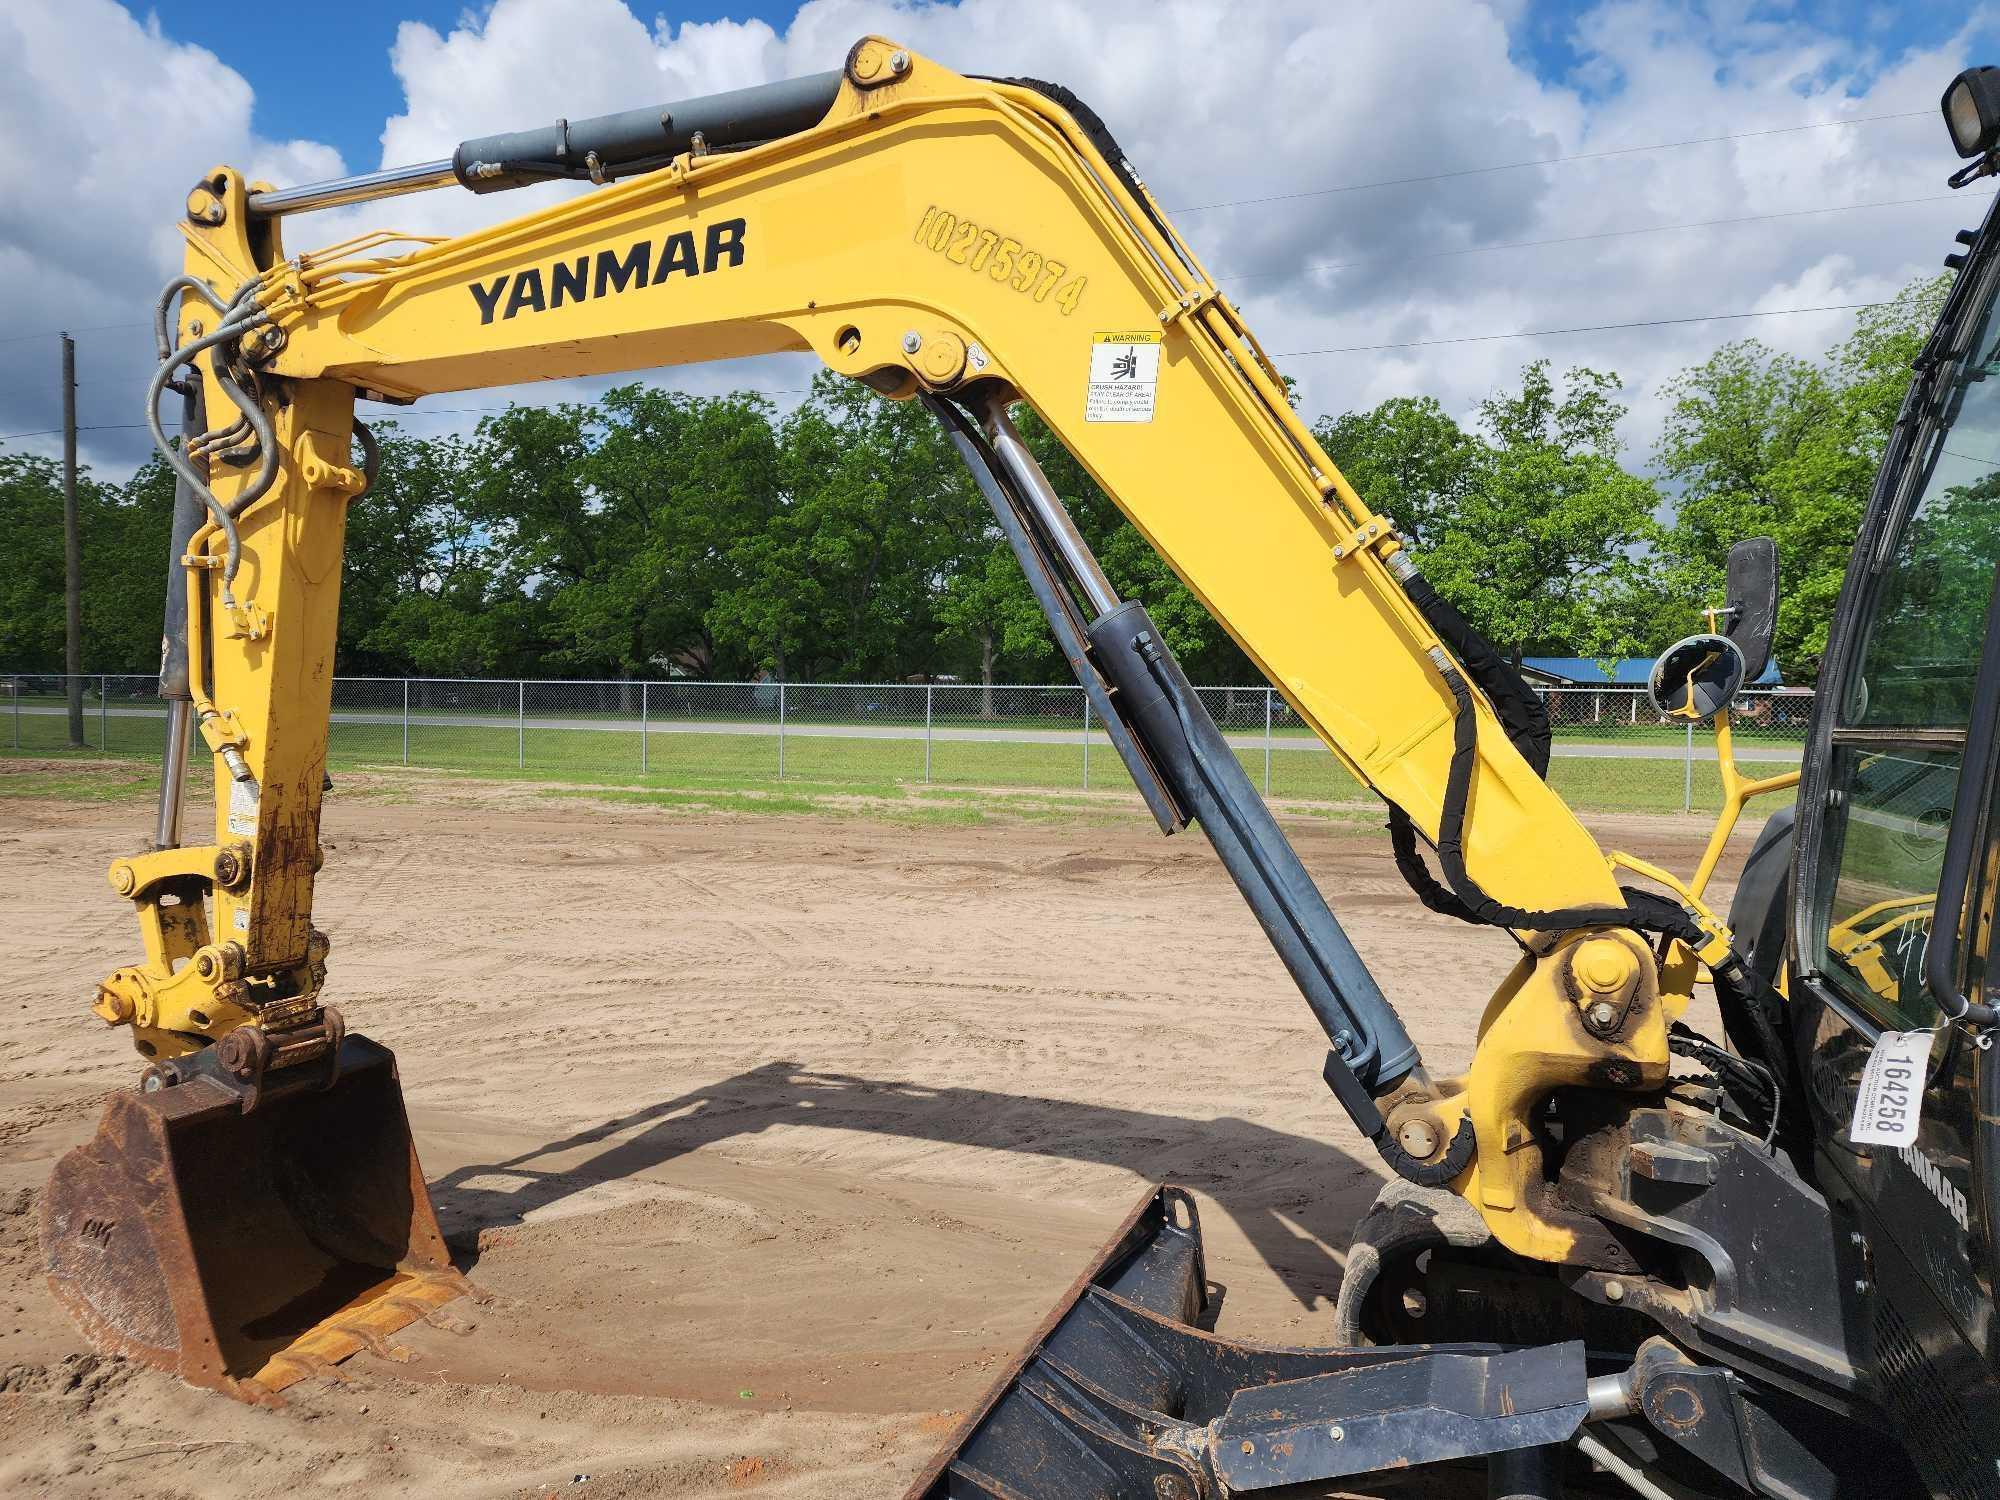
(1897, 869)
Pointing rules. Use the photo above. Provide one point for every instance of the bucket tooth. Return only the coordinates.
(243, 1250)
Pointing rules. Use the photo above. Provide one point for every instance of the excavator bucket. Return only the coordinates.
(244, 1250)
(1121, 1395)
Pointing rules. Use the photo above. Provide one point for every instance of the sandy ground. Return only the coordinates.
(770, 1137)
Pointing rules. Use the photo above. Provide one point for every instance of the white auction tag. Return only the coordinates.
(1891, 1099)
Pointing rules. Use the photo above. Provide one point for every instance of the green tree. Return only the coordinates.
(123, 531)
(1554, 528)
(840, 580)
(417, 581)
(1408, 460)
(1761, 443)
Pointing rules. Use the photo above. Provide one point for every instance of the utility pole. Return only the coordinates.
(72, 552)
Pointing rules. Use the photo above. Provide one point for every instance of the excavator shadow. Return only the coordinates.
(1294, 1198)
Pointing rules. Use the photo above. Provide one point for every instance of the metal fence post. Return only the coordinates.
(1687, 781)
(521, 726)
(645, 693)
(406, 721)
(1267, 740)
(781, 730)
(1086, 740)
(929, 690)
(103, 712)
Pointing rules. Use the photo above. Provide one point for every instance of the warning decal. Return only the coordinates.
(1124, 376)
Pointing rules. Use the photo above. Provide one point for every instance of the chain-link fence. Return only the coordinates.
(1612, 749)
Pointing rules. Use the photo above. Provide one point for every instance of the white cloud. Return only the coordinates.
(1215, 101)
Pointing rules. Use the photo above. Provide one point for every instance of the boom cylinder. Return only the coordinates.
(1367, 1034)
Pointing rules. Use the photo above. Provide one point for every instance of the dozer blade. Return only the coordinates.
(1119, 1396)
(245, 1250)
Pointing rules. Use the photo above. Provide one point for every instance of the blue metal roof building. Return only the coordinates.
(1626, 671)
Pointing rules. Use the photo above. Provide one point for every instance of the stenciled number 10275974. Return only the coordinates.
(999, 256)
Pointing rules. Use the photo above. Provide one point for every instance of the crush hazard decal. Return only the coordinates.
(1124, 376)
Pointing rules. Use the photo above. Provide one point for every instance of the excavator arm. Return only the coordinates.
(970, 243)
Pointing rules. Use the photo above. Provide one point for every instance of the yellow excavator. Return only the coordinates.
(1612, 1253)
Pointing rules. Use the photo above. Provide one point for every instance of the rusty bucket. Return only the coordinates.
(243, 1250)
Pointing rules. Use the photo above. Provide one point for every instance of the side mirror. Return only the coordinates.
(1751, 604)
(1695, 677)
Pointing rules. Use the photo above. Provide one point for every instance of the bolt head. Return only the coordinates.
(1338, 1434)
(899, 62)
(1604, 965)
(1248, 1446)
(912, 342)
(1614, 1291)
(1603, 1013)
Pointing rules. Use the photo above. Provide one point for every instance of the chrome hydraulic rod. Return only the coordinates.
(173, 773)
(990, 407)
(596, 150)
(337, 192)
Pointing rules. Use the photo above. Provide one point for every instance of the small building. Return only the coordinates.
(1585, 690)
(1625, 672)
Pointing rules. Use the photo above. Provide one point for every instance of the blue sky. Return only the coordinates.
(344, 105)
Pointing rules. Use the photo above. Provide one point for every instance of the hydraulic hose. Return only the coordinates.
(235, 323)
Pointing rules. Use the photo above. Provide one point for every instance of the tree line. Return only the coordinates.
(653, 533)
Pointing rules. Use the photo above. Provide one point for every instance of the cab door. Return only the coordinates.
(1901, 773)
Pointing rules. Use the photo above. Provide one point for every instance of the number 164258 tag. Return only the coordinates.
(1891, 1098)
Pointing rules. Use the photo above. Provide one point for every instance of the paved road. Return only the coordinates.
(1010, 735)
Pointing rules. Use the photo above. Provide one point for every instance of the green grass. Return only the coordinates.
(92, 782)
(723, 767)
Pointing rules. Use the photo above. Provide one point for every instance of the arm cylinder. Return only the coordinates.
(174, 643)
(636, 139)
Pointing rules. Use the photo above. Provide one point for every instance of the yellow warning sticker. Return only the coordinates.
(1124, 376)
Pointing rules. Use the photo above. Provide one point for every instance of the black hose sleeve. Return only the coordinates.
(1410, 861)
(1362, 1110)
(1451, 841)
(1519, 708)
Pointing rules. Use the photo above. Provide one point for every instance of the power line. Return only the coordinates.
(47, 431)
(56, 333)
(1606, 234)
(1548, 333)
(1549, 161)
